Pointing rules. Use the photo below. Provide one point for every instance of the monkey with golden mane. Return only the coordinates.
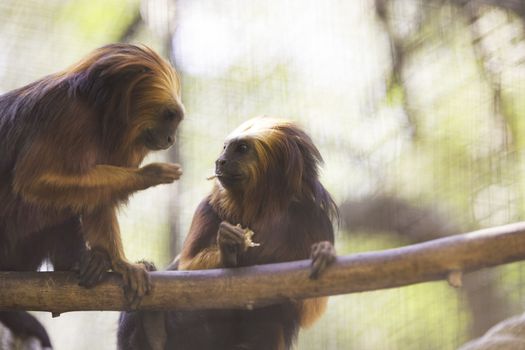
(267, 181)
(70, 149)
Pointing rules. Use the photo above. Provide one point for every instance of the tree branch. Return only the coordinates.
(265, 284)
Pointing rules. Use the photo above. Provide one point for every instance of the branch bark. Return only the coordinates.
(266, 284)
(418, 223)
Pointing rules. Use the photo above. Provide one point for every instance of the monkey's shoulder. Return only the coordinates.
(309, 215)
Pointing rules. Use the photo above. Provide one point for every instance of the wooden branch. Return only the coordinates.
(265, 284)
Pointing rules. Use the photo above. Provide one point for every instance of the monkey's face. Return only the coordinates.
(136, 94)
(234, 167)
(158, 131)
(155, 114)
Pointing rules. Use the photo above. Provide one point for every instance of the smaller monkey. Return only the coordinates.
(267, 180)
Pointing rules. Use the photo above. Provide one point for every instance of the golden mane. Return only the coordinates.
(287, 169)
(126, 83)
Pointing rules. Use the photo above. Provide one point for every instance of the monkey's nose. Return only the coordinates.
(171, 139)
(220, 162)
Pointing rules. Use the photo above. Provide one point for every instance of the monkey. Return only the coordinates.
(267, 181)
(71, 145)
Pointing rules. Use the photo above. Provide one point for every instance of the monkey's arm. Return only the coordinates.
(310, 310)
(102, 184)
(208, 258)
(322, 255)
(102, 232)
(211, 242)
(200, 250)
(224, 253)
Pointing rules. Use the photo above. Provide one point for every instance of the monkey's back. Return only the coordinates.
(24, 117)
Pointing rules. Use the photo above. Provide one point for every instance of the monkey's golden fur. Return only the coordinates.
(70, 149)
(285, 171)
(268, 182)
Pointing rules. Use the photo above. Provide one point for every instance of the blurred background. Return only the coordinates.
(418, 107)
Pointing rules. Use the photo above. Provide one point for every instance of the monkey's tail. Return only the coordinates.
(24, 325)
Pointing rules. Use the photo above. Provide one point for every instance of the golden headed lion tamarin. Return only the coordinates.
(70, 149)
(267, 180)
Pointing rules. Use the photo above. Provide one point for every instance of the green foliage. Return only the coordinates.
(98, 21)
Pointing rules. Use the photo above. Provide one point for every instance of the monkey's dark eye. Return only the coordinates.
(242, 148)
(169, 115)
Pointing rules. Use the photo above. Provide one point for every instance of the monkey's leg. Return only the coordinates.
(102, 232)
(68, 251)
(93, 266)
(142, 330)
(65, 244)
(310, 310)
(263, 329)
(131, 334)
(103, 184)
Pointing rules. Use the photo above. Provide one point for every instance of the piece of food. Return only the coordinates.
(248, 234)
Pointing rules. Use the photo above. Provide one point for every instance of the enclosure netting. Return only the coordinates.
(418, 108)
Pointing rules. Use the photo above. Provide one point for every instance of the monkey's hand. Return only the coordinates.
(232, 242)
(137, 282)
(322, 255)
(160, 173)
(94, 265)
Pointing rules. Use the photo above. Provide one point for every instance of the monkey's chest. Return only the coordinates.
(269, 252)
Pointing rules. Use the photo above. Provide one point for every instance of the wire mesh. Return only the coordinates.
(417, 107)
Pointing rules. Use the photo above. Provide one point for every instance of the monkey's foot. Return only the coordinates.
(322, 255)
(94, 265)
(137, 282)
(232, 242)
(148, 265)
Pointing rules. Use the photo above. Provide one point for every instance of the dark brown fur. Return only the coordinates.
(268, 181)
(70, 149)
